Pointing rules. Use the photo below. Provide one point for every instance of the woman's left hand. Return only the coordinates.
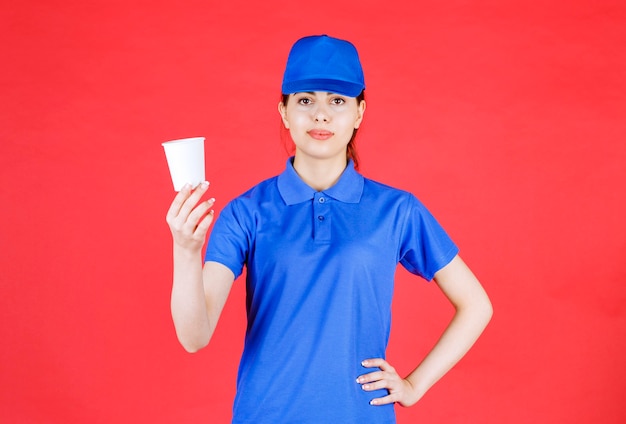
(400, 389)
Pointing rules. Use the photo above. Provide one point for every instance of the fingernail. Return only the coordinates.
(373, 402)
(366, 386)
(205, 184)
(364, 363)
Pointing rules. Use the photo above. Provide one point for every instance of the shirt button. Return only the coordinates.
(321, 217)
(322, 200)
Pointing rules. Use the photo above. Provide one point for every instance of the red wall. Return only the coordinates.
(505, 118)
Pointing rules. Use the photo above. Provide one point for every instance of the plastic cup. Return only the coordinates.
(185, 159)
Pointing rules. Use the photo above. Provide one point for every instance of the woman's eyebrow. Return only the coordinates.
(312, 93)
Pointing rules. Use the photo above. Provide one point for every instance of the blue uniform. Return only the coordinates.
(320, 277)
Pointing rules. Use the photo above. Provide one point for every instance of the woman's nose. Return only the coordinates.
(321, 114)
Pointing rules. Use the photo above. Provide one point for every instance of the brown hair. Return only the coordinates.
(351, 151)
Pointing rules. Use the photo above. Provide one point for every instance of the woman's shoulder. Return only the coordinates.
(392, 197)
(260, 192)
(259, 189)
(380, 188)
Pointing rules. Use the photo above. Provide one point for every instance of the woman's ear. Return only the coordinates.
(360, 114)
(283, 114)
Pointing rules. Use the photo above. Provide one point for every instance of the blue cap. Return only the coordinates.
(323, 63)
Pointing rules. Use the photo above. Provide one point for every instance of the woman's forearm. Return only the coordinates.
(189, 310)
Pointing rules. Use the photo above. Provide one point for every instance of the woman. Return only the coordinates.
(320, 244)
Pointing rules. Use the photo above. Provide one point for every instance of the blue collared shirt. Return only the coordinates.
(320, 276)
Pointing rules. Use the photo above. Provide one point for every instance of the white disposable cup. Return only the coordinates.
(185, 159)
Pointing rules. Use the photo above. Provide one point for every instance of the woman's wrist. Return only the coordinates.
(186, 254)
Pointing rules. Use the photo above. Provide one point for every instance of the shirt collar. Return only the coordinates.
(348, 188)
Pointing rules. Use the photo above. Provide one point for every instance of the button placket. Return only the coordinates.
(321, 217)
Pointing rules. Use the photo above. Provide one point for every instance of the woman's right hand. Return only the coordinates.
(189, 220)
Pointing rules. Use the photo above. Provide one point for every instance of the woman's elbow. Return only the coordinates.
(192, 344)
(485, 309)
(193, 347)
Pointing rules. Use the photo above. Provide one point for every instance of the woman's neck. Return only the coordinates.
(319, 174)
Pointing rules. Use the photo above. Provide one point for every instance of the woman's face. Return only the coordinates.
(321, 124)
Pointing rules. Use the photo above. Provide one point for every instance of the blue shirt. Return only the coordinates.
(320, 277)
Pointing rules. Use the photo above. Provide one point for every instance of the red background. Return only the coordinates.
(506, 118)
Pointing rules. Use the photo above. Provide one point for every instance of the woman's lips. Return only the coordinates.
(320, 134)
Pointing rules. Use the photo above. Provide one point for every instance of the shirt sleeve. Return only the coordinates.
(425, 247)
(229, 241)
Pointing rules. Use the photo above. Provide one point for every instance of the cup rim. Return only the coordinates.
(183, 140)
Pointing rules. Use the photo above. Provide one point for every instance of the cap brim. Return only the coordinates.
(344, 88)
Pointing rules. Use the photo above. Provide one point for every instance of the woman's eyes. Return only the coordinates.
(333, 101)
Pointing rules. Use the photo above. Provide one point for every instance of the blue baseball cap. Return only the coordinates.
(323, 63)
